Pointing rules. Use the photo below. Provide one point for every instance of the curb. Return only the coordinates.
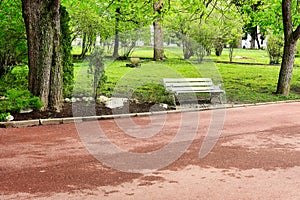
(70, 120)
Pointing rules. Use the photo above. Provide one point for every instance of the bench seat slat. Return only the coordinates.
(192, 88)
(199, 91)
(166, 80)
(188, 84)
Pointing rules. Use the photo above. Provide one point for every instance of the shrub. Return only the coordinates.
(19, 99)
(3, 116)
(15, 79)
(154, 93)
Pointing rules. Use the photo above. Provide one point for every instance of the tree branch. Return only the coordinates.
(297, 33)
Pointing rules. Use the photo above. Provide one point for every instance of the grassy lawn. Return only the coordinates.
(242, 83)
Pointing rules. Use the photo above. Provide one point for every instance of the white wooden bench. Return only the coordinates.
(193, 85)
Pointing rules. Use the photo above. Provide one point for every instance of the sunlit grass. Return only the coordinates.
(242, 83)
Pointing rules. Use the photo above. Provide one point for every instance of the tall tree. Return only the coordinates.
(42, 20)
(158, 32)
(291, 37)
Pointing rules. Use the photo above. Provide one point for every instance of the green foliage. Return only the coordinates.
(275, 48)
(67, 62)
(19, 99)
(154, 93)
(3, 116)
(204, 24)
(298, 49)
(96, 68)
(13, 48)
(14, 79)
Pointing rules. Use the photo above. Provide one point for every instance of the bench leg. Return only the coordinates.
(216, 95)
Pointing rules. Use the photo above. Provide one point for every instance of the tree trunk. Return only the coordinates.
(83, 46)
(42, 20)
(286, 70)
(158, 34)
(253, 39)
(290, 41)
(117, 37)
(187, 49)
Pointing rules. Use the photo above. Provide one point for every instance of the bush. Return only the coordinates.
(3, 116)
(19, 99)
(15, 79)
(275, 48)
(154, 93)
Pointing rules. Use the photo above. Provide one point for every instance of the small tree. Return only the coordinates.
(96, 68)
(275, 48)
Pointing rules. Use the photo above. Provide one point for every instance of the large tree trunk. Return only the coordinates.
(42, 20)
(290, 41)
(286, 70)
(158, 33)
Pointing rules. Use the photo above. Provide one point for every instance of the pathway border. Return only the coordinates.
(57, 121)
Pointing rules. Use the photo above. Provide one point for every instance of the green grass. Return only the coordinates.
(242, 83)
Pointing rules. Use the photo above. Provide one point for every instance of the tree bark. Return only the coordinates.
(42, 20)
(290, 41)
(253, 37)
(158, 33)
(117, 37)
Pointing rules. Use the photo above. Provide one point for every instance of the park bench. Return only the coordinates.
(193, 85)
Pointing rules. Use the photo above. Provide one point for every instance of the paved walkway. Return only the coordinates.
(257, 156)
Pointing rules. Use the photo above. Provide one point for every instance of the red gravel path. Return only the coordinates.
(257, 157)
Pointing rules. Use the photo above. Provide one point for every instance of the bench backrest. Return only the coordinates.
(188, 84)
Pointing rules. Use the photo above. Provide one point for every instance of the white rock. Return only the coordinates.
(73, 100)
(10, 118)
(165, 106)
(67, 100)
(115, 102)
(26, 110)
(102, 99)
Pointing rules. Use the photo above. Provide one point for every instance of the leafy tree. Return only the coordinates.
(87, 23)
(13, 49)
(248, 9)
(186, 15)
(291, 27)
(282, 17)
